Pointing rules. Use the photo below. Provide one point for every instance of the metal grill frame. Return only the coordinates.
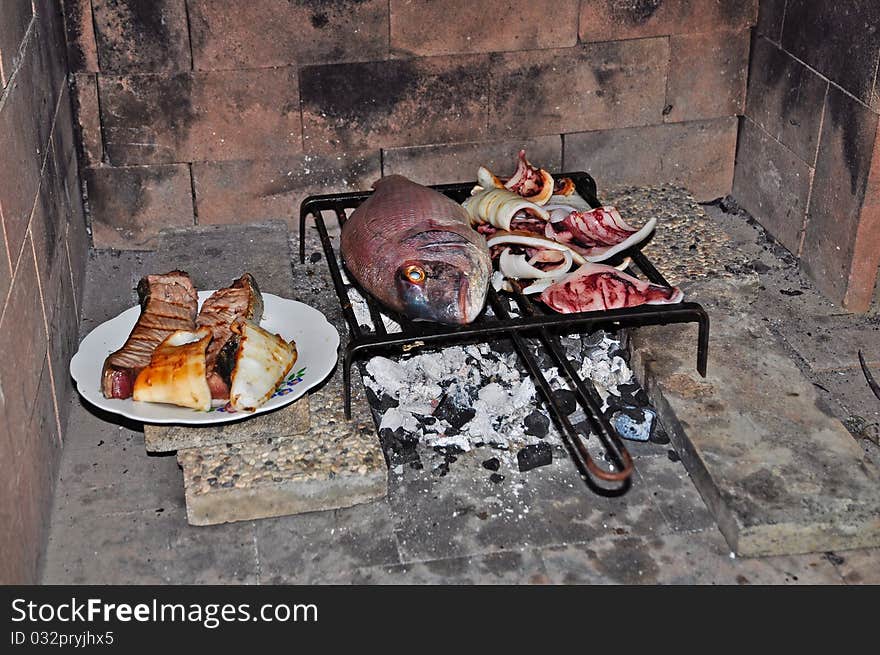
(534, 321)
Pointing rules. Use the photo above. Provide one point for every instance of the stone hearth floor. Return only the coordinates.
(119, 513)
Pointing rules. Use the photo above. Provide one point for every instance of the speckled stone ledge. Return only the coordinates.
(286, 422)
(339, 463)
(687, 245)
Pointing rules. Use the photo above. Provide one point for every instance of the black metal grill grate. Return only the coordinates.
(534, 321)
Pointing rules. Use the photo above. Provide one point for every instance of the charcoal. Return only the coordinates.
(537, 424)
(539, 454)
(834, 558)
(447, 410)
(398, 436)
(632, 394)
(495, 478)
(659, 435)
(673, 456)
(448, 453)
(380, 403)
(492, 464)
(728, 205)
(594, 339)
(566, 400)
(503, 346)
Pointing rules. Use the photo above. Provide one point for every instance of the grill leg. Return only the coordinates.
(346, 381)
(703, 343)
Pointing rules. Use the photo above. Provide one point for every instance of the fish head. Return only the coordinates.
(447, 280)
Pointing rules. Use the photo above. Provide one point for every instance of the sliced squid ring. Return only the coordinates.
(538, 286)
(498, 208)
(533, 241)
(519, 267)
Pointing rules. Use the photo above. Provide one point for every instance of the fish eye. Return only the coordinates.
(414, 274)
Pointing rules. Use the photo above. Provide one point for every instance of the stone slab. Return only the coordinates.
(200, 116)
(399, 102)
(601, 20)
(339, 463)
(234, 192)
(130, 204)
(423, 27)
(707, 75)
(286, 422)
(841, 45)
(261, 33)
(779, 473)
(785, 98)
(589, 91)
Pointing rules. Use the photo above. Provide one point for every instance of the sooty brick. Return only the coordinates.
(362, 106)
(219, 115)
(261, 33)
(608, 20)
(130, 205)
(141, 35)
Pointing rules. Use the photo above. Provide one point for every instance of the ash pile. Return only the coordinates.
(435, 405)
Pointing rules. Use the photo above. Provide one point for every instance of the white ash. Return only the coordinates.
(488, 383)
(606, 371)
(362, 312)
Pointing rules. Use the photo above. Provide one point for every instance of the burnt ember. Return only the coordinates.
(492, 464)
(530, 457)
(463, 399)
(537, 424)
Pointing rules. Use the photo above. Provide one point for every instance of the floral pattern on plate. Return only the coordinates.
(283, 389)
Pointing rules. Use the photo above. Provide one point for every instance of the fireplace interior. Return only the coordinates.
(138, 137)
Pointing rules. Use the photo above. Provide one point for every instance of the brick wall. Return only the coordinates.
(43, 247)
(221, 111)
(808, 164)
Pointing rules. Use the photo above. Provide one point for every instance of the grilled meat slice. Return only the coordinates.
(168, 303)
(241, 300)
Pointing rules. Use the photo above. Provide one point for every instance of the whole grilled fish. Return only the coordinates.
(413, 249)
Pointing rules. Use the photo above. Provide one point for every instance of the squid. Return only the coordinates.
(177, 372)
(533, 184)
(261, 363)
(597, 234)
(595, 287)
(536, 184)
(499, 207)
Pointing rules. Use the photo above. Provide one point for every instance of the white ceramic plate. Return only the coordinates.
(316, 344)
